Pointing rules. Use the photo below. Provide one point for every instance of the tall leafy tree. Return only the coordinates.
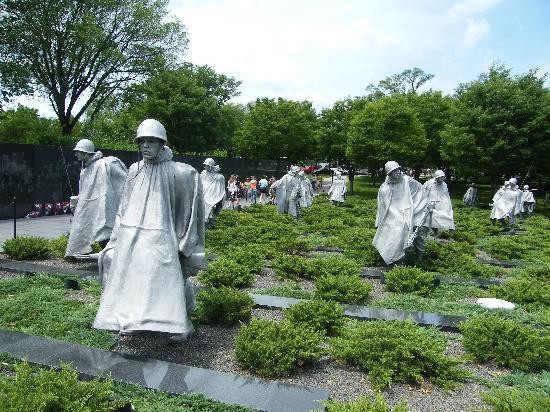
(278, 128)
(24, 126)
(189, 101)
(79, 52)
(408, 81)
(334, 124)
(500, 126)
(386, 129)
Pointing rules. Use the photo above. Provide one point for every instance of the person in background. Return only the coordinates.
(263, 185)
(253, 184)
(233, 191)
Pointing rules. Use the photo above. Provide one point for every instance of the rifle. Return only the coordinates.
(414, 235)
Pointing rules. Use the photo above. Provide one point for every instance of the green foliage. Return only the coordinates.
(539, 382)
(512, 400)
(332, 266)
(226, 272)
(38, 305)
(277, 128)
(288, 289)
(386, 129)
(54, 391)
(25, 126)
(58, 246)
(149, 400)
(323, 317)
(276, 349)
(343, 289)
(397, 351)
(290, 266)
(27, 248)
(189, 101)
(102, 29)
(497, 122)
(225, 306)
(525, 290)
(247, 257)
(407, 279)
(377, 403)
(507, 343)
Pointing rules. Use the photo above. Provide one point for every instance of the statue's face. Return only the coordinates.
(81, 156)
(395, 175)
(209, 168)
(150, 147)
(440, 179)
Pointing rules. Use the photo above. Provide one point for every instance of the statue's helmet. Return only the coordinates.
(84, 145)
(338, 173)
(525, 187)
(151, 128)
(513, 181)
(294, 169)
(390, 166)
(209, 162)
(439, 173)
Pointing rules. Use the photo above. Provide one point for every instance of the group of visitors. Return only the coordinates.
(251, 190)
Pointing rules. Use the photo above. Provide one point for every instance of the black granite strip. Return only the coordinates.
(34, 268)
(444, 322)
(503, 263)
(165, 376)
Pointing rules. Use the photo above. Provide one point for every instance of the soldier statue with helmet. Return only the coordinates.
(100, 186)
(156, 244)
(401, 212)
(287, 193)
(213, 188)
(441, 215)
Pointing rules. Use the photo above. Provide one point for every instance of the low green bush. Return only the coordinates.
(27, 248)
(324, 317)
(505, 342)
(58, 246)
(377, 403)
(528, 291)
(288, 289)
(246, 256)
(343, 289)
(512, 400)
(276, 349)
(540, 273)
(226, 272)
(409, 279)
(225, 306)
(293, 245)
(54, 391)
(290, 267)
(397, 351)
(332, 266)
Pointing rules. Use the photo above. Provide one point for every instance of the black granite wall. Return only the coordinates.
(49, 174)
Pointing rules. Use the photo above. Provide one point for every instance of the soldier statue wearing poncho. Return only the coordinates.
(156, 244)
(441, 214)
(213, 188)
(288, 192)
(337, 190)
(100, 186)
(401, 208)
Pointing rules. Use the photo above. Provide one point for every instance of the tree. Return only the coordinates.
(189, 101)
(387, 129)
(333, 128)
(24, 126)
(79, 52)
(408, 81)
(277, 128)
(500, 126)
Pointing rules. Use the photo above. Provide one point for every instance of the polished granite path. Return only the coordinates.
(165, 376)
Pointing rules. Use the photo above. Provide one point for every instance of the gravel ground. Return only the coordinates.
(212, 347)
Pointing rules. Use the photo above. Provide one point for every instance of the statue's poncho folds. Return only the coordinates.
(158, 240)
(400, 207)
(100, 188)
(213, 186)
(441, 216)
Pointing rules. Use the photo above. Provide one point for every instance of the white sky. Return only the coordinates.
(326, 50)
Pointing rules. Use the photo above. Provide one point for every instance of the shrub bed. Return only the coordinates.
(226, 272)
(408, 279)
(225, 306)
(27, 248)
(398, 352)
(342, 289)
(511, 399)
(324, 317)
(276, 349)
(505, 342)
(376, 403)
